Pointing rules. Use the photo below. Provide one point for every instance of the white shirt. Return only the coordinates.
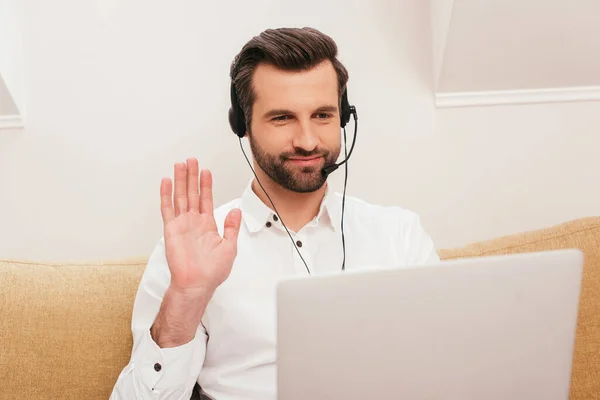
(232, 356)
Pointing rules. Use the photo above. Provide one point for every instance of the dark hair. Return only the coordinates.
(291, 49)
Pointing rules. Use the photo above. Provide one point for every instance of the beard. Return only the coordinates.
(294, 178)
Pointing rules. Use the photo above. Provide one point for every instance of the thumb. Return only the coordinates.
(232, 225)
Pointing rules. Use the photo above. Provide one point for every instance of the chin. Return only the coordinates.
(310, 185)
(310, 189)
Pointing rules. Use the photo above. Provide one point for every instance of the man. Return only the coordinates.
(205, 309)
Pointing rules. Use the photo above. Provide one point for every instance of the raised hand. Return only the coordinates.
(199, 258)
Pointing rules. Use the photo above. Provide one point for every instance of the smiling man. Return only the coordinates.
(205, 308)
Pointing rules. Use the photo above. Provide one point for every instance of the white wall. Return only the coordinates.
(119, 91)
(490, 171)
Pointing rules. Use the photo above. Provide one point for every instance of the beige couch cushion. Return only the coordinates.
(64, 329)
(582, 234)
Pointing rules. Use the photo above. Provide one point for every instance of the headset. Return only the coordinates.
(237, 121)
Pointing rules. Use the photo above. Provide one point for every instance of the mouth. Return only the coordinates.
(305, 161)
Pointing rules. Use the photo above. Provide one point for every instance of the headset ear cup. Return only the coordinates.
(236, 115)
(233, 121)
(241, 125)
(345, 111)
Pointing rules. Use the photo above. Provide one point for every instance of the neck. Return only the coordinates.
(296, 209)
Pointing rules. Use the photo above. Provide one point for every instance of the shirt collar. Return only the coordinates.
(256, 214)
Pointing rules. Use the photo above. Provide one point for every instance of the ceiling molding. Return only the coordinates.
(11, 122)
(509, 97)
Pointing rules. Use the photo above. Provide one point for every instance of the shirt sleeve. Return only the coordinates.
(152, 372)
(418, 244)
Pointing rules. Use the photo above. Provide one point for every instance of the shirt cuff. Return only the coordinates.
(161, 369)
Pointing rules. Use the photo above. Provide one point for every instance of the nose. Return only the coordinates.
(306, 137)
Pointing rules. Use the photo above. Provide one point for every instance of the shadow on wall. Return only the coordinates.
(7, 104)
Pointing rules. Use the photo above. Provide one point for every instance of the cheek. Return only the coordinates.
(331, 135)
(271, 139)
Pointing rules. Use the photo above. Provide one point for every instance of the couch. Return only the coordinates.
(65, 328)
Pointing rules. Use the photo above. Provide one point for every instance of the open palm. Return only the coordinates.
(198, 257)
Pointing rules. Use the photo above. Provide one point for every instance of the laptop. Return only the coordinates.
(494, 328)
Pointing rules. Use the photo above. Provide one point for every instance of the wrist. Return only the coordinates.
(193, 294)
(179, 316)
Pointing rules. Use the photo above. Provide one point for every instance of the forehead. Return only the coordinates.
(277, 88)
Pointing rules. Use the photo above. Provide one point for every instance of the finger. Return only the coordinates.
(193, 199)
(232, 226)
(166, 201)
(206, 195)
(180, 196)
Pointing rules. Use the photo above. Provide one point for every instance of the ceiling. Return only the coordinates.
(502, 45)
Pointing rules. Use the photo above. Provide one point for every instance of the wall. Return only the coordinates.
(119, 91)
(125, 89)
(490, 171)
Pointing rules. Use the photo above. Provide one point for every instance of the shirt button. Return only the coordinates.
(299, 243)
(268, 224)
(157, 367)
(275, 218)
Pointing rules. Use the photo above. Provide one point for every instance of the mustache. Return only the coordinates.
(304, 153)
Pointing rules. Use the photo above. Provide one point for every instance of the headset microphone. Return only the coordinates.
(326, 171)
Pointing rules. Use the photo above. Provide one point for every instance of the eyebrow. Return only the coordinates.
(281, 111)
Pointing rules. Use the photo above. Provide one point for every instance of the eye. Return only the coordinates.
(281, 118)
(324, 116)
